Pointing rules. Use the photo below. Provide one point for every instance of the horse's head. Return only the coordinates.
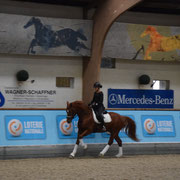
(149, 30)
(32, 21)
(71, 112)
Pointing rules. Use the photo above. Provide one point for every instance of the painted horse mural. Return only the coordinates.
(159, 42)
(46, 38)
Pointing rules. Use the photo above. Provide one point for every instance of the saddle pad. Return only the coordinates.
(107, 118)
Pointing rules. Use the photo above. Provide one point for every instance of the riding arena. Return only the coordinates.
(89, 89)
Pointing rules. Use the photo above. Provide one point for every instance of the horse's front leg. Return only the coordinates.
(72, 155)
(147, 56)
(82, 144)
(33, 43)
(79, 141)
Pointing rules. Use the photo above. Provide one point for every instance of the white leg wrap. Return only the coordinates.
(120, 152)
(105, 150)
(74, 150)
(83, 144)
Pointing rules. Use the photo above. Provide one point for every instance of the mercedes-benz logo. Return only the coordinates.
(113, 99)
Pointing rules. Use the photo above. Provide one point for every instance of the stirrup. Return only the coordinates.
(104, 128)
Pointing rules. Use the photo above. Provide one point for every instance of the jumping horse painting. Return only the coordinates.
(159, 42)
(87, 125)
(46, 38)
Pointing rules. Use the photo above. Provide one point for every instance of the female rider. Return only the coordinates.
(97, 102)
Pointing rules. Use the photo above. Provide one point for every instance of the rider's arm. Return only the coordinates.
(93, 100)
(101, 97)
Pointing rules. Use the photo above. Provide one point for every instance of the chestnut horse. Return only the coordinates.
(87, 125)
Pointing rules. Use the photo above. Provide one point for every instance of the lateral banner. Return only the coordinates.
(135, 98)
(25, 127)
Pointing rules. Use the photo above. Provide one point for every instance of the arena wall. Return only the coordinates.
(126, 74)
(45, 133)
(43, 71)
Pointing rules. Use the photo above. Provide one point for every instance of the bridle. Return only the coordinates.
(70, 117)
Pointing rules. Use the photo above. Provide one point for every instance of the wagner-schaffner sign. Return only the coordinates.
(134, 98)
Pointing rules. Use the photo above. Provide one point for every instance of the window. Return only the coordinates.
(161, 84)
(108, 63)
(67, 82)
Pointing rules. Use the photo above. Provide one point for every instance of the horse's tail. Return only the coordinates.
(130, 129)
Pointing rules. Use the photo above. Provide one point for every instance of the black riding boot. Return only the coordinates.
(101, 119)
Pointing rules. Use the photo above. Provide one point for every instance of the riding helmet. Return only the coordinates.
(97, 85)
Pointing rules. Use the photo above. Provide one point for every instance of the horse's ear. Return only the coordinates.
(67, 104)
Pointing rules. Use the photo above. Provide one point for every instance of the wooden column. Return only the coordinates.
(105, 15)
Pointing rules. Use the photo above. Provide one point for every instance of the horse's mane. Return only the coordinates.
(81, 105)
(152, 30)
(78, 102)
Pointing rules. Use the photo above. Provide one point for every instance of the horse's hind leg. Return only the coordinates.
(120, 153)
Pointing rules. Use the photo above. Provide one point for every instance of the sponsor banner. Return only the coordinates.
(134, 98)
(66, 130)
(25, 127)
(49, 127)
(158, 126)
(122, 133)
(17, 97)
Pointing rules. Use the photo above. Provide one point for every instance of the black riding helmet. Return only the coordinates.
(97, 85)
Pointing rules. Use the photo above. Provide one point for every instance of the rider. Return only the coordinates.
(97, 102)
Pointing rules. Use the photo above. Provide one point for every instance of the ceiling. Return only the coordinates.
(148, 6)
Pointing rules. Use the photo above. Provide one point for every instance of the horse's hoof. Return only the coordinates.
(119, 155)
(101, 155)
(71, 156)
(85, 147)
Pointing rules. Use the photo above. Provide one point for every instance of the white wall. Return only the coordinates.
(44, 71)
(127, 72)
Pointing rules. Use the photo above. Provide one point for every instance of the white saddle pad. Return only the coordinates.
(107, 118)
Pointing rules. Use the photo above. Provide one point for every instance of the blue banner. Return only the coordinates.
(134, 98)
(66, 131)
(49, 127)
(158, 126)
(25, 127)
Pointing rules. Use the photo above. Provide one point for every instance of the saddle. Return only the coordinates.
(107, 117)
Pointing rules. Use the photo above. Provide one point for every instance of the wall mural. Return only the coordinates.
(72, 37)
(143, 42)
(159, 42)
(46, 38)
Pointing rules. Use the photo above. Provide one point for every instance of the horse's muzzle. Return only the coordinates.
(69, 119)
